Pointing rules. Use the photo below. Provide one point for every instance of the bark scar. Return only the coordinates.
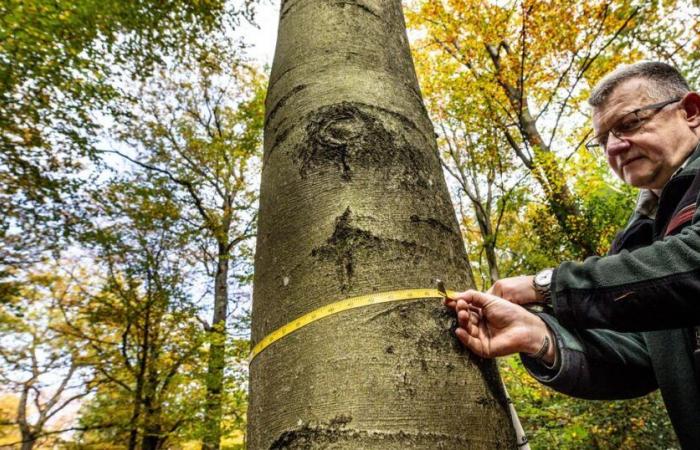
(348, 243)
(435, 223)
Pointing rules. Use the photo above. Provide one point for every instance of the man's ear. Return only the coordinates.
(691, 106)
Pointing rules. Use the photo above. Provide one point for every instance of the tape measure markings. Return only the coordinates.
(340, 306)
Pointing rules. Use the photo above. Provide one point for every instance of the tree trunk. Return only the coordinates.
(134, 421)
(151, 440)
(142, 361)
(28, 442)
(152, 426)
(217, 350)
(489, 237)
(25, 430)
(353, 201)
(549, 174)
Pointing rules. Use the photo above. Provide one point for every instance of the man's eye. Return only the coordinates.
(629, 124)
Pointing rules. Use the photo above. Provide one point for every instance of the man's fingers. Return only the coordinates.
(474, 298)
(473, 324)
(473, 344)
(463, 318)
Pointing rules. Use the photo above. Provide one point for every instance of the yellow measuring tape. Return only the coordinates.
(344, 305)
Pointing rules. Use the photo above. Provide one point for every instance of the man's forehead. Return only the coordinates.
(625, 97)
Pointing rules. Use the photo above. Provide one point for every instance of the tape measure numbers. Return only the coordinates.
(344, 305)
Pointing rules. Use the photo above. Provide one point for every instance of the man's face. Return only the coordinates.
(647, 157)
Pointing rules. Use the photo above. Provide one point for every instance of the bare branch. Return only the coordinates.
(187, 184)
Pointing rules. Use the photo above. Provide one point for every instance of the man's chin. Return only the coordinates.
(635, 174)
(643, 181)
(638, 180)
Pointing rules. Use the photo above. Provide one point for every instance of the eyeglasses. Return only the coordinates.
(628, 124)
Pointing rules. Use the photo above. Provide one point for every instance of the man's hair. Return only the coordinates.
(665, 81)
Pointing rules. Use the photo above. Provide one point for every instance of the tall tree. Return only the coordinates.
(138, 324)
(353, 202)
(199, 130)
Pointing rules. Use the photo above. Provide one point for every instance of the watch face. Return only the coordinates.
(544, 278)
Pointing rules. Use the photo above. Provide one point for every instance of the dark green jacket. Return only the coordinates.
(624, 323)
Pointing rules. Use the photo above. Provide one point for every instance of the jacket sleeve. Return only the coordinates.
(650, 288)
(596, 364)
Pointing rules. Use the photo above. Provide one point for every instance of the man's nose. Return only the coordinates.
(615, 145)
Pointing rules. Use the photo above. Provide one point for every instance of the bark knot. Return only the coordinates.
(352, 135)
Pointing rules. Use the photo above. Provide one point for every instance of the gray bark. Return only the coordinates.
(217, 354)
(353, 201)
(28, 442)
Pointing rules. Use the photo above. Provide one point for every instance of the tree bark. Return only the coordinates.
(489, 237)
(153, 436)
(28, 442)
(217, 350)
(353, 201)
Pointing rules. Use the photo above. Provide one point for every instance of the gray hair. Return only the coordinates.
(665, 81)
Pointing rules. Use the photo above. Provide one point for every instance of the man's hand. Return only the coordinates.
(491, 326)
(518, 290)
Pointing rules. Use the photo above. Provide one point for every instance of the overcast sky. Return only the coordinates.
(264, 38)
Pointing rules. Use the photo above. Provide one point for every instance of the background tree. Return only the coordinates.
(139, 324)
(64, 64)
(72, 68)
(513, 67)
(199, 132)
(45, 369)
(490, 184)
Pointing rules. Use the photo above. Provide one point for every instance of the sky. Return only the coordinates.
(264, 37)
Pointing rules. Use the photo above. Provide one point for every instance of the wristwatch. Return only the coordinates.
(542, 283)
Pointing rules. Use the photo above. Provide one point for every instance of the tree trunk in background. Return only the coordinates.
(488, 234)
(217, 355)
(353, 201)
(28, 442)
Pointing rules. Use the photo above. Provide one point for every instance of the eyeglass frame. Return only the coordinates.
(594, 145)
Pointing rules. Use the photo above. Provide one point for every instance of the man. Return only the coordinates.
(622, 325)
